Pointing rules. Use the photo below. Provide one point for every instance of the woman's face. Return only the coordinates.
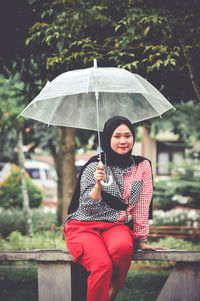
(121, 140)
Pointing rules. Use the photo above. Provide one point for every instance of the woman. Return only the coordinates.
(95, 230)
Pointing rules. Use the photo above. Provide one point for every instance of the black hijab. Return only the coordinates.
(112, 158)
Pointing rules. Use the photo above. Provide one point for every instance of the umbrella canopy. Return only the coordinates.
(86, 98)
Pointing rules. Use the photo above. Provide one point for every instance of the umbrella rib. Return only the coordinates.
(105, 105)
(57, 106)
(153, 107)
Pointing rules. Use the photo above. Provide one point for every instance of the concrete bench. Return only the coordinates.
(55, 270)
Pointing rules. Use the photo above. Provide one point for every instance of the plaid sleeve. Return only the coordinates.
(140, 211)
(86, 203)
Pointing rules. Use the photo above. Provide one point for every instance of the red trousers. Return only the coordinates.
(105, 250)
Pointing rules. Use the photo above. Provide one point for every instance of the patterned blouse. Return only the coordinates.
(136, 185)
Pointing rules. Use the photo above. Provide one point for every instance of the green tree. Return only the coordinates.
(185, 123)
(65, 155)
(157, 40)
(30, 64)
(161, 41)
(11, 194)
(180, 190)
(11, 106)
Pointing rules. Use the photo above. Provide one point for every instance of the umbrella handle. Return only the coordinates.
(109, 182)
(110, 177)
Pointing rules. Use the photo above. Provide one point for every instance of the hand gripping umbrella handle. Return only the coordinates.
(110, 177)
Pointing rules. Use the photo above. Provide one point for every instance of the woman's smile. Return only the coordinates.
(123, 147)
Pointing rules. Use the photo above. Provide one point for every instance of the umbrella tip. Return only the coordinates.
(95, 63)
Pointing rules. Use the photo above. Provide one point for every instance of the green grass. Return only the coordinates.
(20, 284)
(142, 285)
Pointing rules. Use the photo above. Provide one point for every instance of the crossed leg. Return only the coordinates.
(97, 261)
(119, 243)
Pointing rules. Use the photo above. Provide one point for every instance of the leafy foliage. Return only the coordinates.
(17, 242)
(44, 240)
(177, 243)
(185, 122)
(13, 220)
(176, 217)
(11, 106)
(184, 183)
(11, 195)
(141, 36)
(9, 94)
(147, 37)
(42, 221)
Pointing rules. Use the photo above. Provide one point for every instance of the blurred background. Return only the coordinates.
(39, 164)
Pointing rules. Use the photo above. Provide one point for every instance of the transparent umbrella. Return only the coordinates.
(86, 98)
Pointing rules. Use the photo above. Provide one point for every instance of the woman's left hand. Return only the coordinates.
(146, 247)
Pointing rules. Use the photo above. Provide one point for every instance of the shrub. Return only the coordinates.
(13, 220)
(176, 243)
(163, 193)
(176, 217)
(44, 240)
(11, 195)
(18, 242)
(181, 189)
(43, 221)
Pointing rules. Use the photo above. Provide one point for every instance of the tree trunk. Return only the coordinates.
(59, 187)
(57, 156)
(193, 77)
(26, 208)
(68, 179)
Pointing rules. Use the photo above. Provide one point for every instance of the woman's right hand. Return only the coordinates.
(99, 175)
